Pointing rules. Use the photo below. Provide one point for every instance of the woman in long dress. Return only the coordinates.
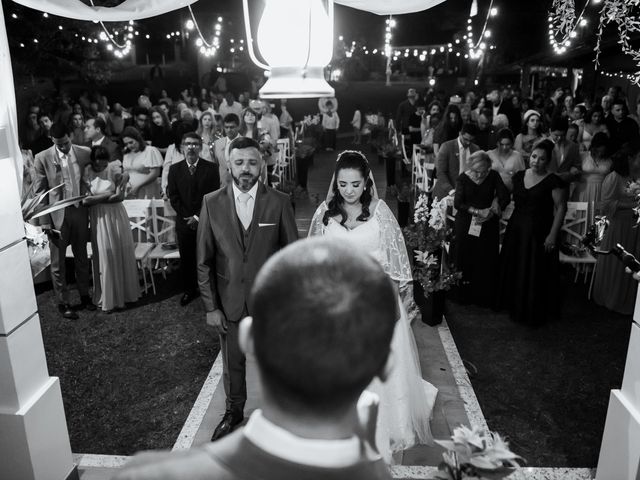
(595, 167)
(142, 163)
(612, 288)
(529, 260)
(480, 198)
(114, 261)
(505, 159)
(593, 123)
(530, 134)
(353, 213)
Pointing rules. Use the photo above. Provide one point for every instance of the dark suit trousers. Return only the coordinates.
(188, 260)
(74, 232)
(234, 368)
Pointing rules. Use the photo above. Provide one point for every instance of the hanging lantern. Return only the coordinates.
(296, 55)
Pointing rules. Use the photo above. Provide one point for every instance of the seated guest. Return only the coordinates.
(596, 164)
(188, 182)
(565, 160)
(114, 261)
(480, 198)
(311, 378)
(94, 135)
(161, 135)
(504, 159)
(611, 287)
(452, 159)
(44, 140)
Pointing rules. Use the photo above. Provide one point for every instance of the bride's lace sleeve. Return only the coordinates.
(394, 257)
(317, 227)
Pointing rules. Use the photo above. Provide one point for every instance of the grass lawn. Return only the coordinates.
(546, 389)
(129, 379)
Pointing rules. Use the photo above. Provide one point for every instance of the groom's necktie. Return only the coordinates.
(242, 207)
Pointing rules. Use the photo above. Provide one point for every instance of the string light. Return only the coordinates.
(477, 49)
(564, 13)
(205, 48)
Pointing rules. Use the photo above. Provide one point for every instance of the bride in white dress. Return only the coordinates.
(354, 213)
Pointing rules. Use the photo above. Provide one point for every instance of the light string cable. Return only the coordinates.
(195, 23)
(484, 28)
(109, 35)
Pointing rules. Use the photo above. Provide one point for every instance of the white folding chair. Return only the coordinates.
(162, 221)
(140, 222)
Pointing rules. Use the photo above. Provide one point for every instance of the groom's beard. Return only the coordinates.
(245, 181)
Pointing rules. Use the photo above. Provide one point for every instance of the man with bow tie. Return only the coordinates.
(63, 164)
(241, 226)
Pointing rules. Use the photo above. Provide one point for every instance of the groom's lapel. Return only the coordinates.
(259, 207)
(232, 216)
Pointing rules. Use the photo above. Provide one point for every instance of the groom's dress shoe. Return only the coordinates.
(226, 426)
(67, 312)
(188, 297)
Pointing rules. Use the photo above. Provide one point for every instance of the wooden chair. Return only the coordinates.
(573, 229)
(140, 222)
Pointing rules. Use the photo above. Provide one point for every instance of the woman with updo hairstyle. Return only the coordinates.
(142, 163)
(596, 164)
(114, 261)
(529, 262)
(354, 214)
(505, 159)
(480, 198)
(593, 123)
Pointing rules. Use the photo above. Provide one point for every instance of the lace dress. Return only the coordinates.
(406, 400)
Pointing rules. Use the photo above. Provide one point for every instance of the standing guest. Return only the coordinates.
(611, 287)
(229, 105)
(596, 165)
(330, 125)
(500, 104)
(160, 134)
(594, 123)
(63, 163)
(565, 160)
(94, 135)
(530, 135)
(452, 159)
(415, 128)
(240, 227)
(269, 122)
(434, 108)
(449, 127)
(486, 135)
(356, 123)
(605, 104)
(174, 155)
(141, 122)
(577, 118)
(31, 131)
(622, 129)
(221, 147)
(504, 159)
(206, 130)
(529, 263)
(406, 109)
(114, 259)
(286, 120)
(76, 134)
(44, 140)
(249, 124)
(188, 182)
(480, 198)
(573, 131)
(116, 121)
(142, 163)
(312, 424)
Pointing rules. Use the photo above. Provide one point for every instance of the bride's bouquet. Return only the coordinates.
(428, 238)
(633, 189)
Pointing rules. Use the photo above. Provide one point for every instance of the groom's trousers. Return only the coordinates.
(234, 367)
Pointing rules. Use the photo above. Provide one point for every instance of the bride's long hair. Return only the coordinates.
(350, 160)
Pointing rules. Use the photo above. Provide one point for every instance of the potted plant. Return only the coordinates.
(473, 454)
(428, 238)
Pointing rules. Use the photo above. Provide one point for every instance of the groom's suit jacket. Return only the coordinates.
(49, 174)
(229, 257)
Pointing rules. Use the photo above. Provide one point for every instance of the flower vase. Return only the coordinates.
(431, 307)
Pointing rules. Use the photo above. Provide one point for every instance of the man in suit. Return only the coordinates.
(188, 182)
(452, 160)
(241, 226)
(501, 104)
(94, 134)
(63, 164)
(565, 159)
(314, 424)
(221, 147)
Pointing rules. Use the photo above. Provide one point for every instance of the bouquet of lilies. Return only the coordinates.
(427, 237)
(472, 453)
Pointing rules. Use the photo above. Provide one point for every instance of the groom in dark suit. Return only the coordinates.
(188, 182)
(240, 227)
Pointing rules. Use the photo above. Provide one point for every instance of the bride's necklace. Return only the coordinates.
(352, 217)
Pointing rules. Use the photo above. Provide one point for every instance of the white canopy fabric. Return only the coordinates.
(390, 7)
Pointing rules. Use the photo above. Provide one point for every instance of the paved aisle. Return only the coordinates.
(449, 409)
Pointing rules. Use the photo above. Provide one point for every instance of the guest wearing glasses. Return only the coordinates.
(189, 181)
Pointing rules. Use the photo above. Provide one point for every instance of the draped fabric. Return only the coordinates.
(395, 7)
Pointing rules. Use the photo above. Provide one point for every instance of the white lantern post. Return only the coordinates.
(295, 37)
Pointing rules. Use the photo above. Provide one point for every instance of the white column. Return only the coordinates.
(620, 449)
(34, 442)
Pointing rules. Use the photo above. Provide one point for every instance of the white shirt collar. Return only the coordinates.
(283, 444)
(460, 146)
(195, 164)
(98, 142)
(252, 193)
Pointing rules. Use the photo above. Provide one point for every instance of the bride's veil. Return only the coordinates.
(374, 190)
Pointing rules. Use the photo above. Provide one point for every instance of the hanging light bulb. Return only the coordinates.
(296, 67)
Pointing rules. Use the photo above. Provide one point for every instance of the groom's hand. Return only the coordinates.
(218, 321)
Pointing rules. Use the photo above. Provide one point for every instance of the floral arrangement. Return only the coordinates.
(427, 237)
(633, 189)
(474, 454)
